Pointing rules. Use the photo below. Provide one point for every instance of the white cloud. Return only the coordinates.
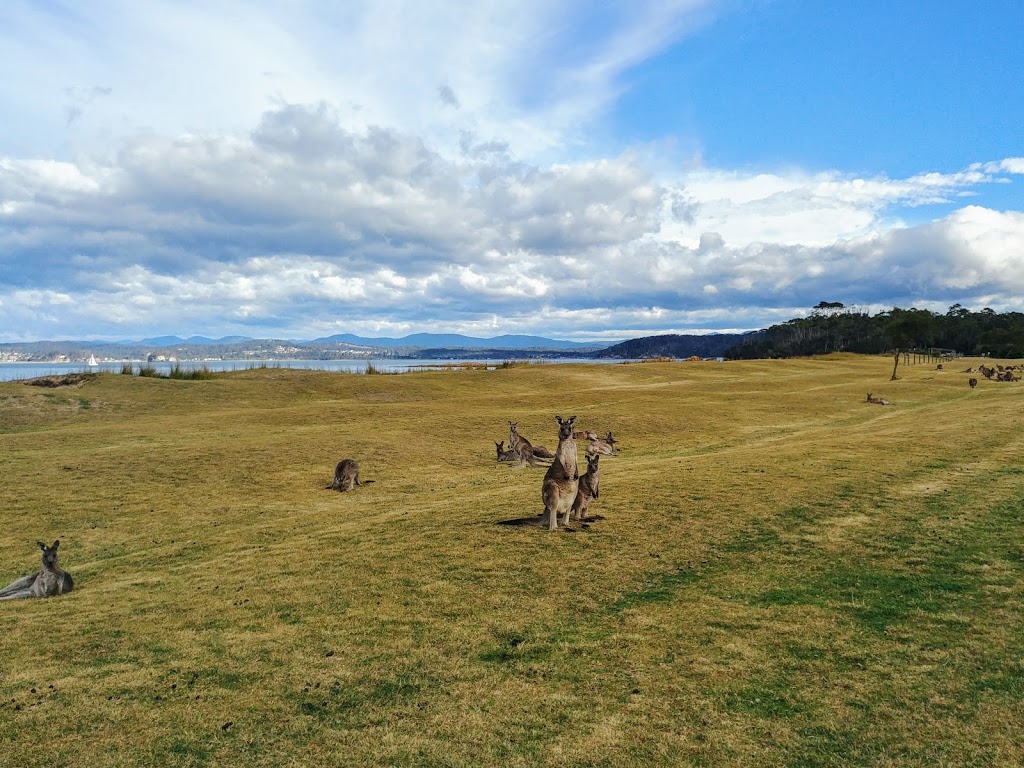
(520, 73)
(387, 167)
(798, 208)
(303, 219)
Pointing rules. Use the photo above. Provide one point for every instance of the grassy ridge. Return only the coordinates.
(786, 575)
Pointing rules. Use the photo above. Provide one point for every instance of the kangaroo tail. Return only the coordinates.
(367, 482)
(16, 587)
(19, 588)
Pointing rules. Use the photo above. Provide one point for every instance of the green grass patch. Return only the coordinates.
(782, 576)
(662, 589)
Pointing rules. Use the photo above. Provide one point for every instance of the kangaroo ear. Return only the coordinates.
(56, 544)
(572, 419)
(41, 545)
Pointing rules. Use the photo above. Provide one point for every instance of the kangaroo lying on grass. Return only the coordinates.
(540, 452)
(877, 400)
(589, 481)
(602, 446)
(346, 476)
(527, 451)
(562, 480)
(504, 455)
(50, 581)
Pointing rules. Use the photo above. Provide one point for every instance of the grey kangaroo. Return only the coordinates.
(346, 476)
(504, 455)
(562, 480)
(604, 446)
(527, 451)
(49, 581)
(589, 482)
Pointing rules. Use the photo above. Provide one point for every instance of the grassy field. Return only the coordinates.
(785, 575)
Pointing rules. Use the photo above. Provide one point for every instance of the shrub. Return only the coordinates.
(194, 374)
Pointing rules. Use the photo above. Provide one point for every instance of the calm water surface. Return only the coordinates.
(18, 371)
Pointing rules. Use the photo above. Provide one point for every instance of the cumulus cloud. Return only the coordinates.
(799, 208)
(396, 166)
(303, 225)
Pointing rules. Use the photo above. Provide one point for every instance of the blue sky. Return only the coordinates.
(571, 169)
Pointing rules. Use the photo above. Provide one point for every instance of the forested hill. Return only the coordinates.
(674, 345)
(833, 328)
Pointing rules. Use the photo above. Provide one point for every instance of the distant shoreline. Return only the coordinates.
(19, 371)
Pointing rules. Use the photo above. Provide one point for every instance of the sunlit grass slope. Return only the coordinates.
(785, 575)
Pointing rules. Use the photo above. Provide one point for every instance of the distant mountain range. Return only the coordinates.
(418, 340)
(340, 346)
(170, 341)
(350, 346)
(667, 345)
(458, 341)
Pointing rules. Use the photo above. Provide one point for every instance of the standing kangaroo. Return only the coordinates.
(562, 480)
(49, 581)
(588, 488)
(528, 453)
(346, 476)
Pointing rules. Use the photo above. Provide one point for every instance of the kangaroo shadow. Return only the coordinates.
(537, 521)
(534, 520)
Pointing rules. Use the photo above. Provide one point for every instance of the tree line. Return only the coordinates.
(832, 327)
(674, 345)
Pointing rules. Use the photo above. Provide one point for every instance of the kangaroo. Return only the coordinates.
(972, 382)
(877, 400)
(540, 452)
(604, 446)
(589, 481)
(49, 581)
(562, 480)
(346, 476)
(526, 451)
(504, 455)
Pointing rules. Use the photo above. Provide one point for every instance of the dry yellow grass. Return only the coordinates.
(785, 575)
